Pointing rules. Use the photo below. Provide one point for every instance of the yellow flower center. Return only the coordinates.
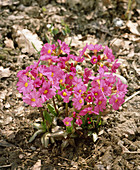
(52, 74)
(96, 94)
(95, 51)
(100, 102)
(67, 123)
(116, 100)
(102, 89)
(26, 84)
(101, 65)
(33, 99)
(60, 81)
(70, 77)
(89, 97)
(80, 91)
(94, 60)
(49, 51)
(98, 81)
(46, 91)
(64, 94)
(80, 101)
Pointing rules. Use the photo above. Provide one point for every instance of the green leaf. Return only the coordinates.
(44, 9)
(45, 140)
(69, 129)
(47, 116)
(63, 32)
(70, 42)
(35, 48)
(38, 126)
(59, 97)
(51, 109)
(47, 38)
(55, 31)
(35, 135)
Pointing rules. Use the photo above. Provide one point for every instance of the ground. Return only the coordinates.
(92, 21)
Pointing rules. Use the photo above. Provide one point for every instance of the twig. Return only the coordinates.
(64, 158)
(133, 152)
(6, 166)
(131, 96)
(41, 113)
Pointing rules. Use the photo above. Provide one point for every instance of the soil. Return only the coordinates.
(92, 21)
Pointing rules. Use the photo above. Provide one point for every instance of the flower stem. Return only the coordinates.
(55, 106)
(96, 68)
(41, 113)
(127, 13)
(98, 118)
(66, 109)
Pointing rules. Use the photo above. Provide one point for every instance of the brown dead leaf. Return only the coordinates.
(25, 38)
(3, 95)
(37, 165)
(106, 2)
(9, 43)
(4, 72)
(133, 27)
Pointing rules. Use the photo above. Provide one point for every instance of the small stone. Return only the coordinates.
(33, 148)
(132, 147)
(8, 120)
(118, 22)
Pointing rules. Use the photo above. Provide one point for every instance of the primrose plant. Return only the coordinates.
(87, 85)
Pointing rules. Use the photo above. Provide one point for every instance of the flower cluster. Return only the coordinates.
(90, 90)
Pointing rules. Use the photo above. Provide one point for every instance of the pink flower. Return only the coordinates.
(121, 88)
(96, 48)
(77, 81)
(116, 101)
(64, 47)
(85, 111)
(65, 94)
(48, 57)
(37, 82)
(109, 55)
(46, 52)
(87, 74)
(94, 83)
(67, 121)
(47, 92)
(100, 104)
(79, 89)
(103, 69)
(79, 58)
(78, 102)
(25, 85)
(72, 68)
(105, 88)
(21, 73)
(70, 78)
(79, 122)
(94, 60)
(89, 97)
(47, 49)
(115, 66)
(83, 51)
(96, 92)
(33, 99)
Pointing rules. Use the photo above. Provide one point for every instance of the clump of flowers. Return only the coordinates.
(88, 90)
